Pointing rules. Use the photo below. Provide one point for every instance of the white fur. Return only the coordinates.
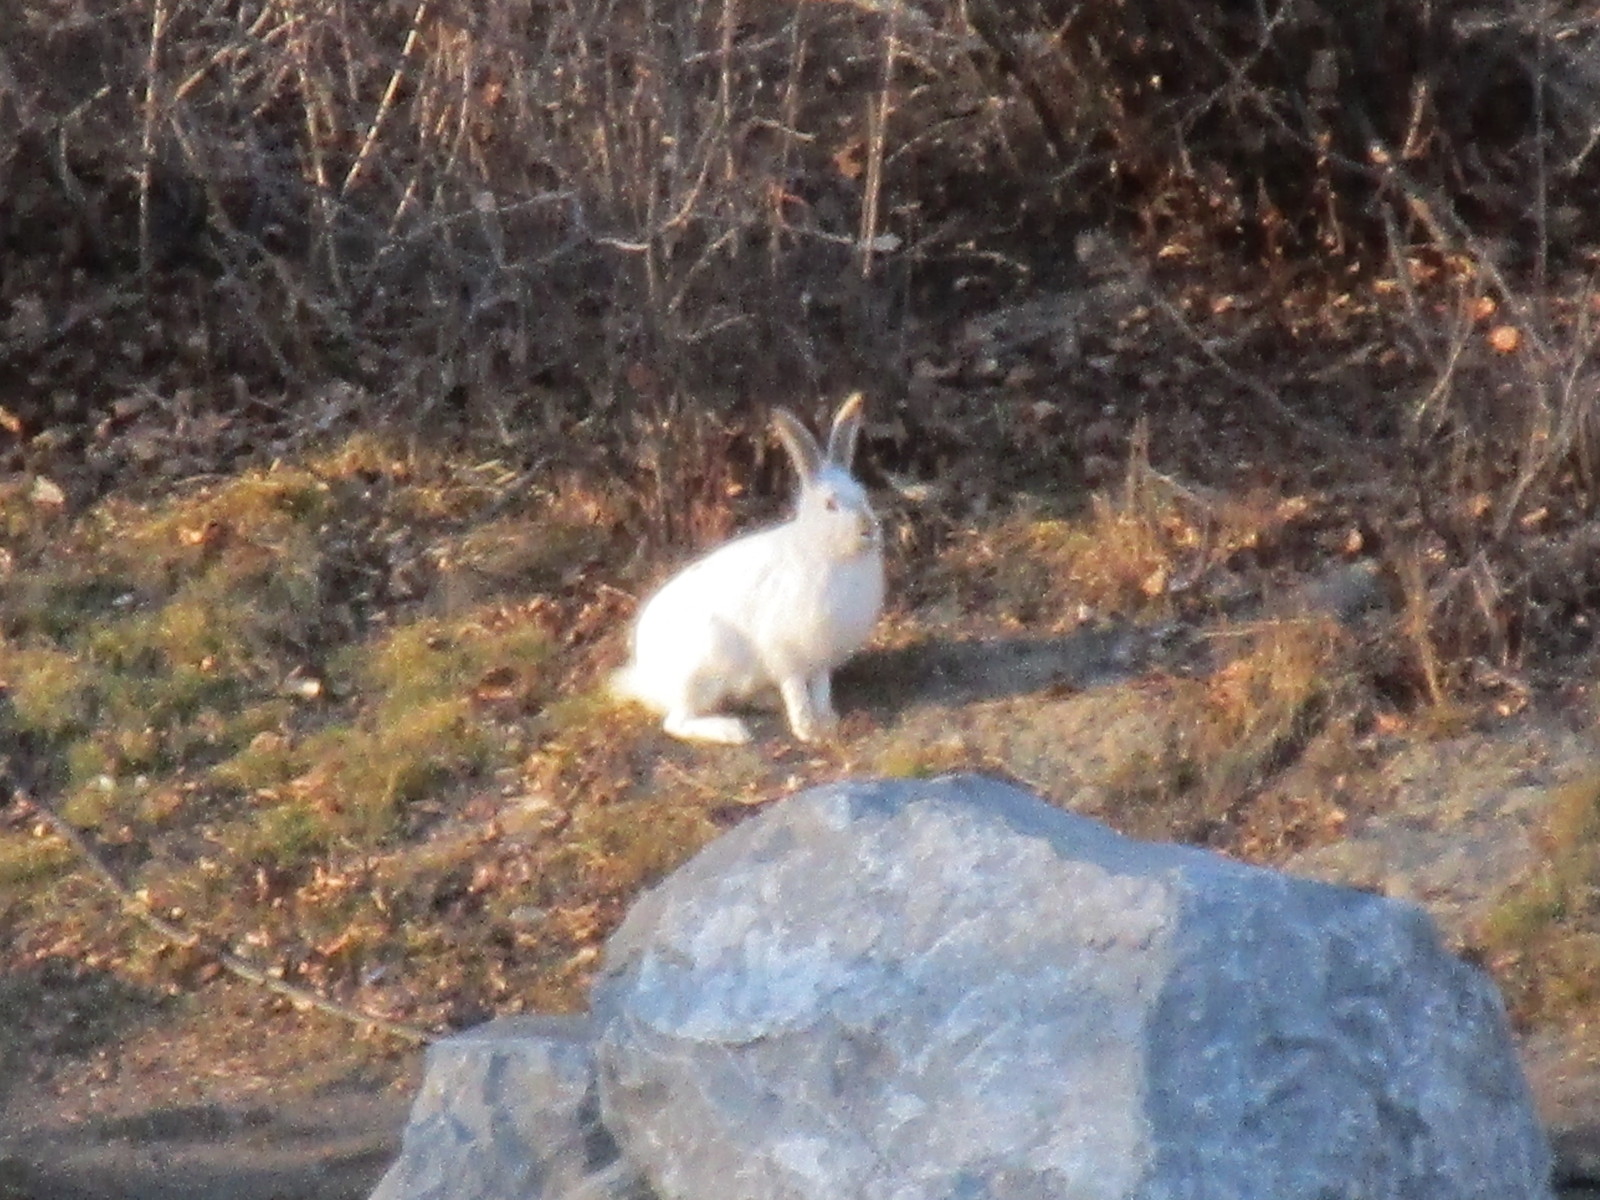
(776, 609)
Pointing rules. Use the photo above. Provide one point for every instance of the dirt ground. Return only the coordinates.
(342, 714)
(111, 1091)
(361, 367)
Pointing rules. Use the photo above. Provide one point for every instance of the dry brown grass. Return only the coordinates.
(341, 703)
(394, 778)
(1543, 939)
(234, 681)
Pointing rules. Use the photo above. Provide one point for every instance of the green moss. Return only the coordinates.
(364, 777)
(26, 862)
(284, 834)
(57, 604)
(434, 659)
(1526, 914)
(1543, 935)
(92, 803)
(51, 693)
(258, 504)
(268, 760)
(146, 647)
(88, 759)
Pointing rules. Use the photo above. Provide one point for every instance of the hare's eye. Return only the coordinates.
(831, 504)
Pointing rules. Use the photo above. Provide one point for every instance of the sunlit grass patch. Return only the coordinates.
(49, 689)
(264, 505)
(425, 706)
(633, 845)
(1543, 937)
(122, 697)
(268, 759)
(411, 482)
(1260, 707)
(265, 696)
(55, 601)
(285, 834)
(161, 641)
(1230, 732)
(157, 628)
(361, 777)
(1148, 548)
(1118, 560)
(1127, 555)
(434, 659)
(917, 758)
(28, 861)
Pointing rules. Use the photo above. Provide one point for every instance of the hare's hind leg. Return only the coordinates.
(729, 731)
(693, 713)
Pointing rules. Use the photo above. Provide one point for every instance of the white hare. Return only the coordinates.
(778, 608)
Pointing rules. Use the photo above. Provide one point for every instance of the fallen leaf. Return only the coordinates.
(304, 684)
(850, 161)
(212, 533)
(46, 493)
(1505, 338)
(498, 686)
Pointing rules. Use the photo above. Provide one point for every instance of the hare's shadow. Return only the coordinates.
(946, 671)
(953, 671)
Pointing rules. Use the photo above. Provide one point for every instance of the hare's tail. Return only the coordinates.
(624, 683)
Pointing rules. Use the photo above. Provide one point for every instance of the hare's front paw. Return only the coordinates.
(817, 729)
(809, 706)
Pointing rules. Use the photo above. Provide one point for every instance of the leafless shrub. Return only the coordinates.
(727, 181)
(598, 216)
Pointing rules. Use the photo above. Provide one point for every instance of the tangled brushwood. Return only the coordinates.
(643, 221)
(425, 196)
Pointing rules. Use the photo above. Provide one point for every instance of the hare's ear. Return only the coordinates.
(846, 428)
(797, 440)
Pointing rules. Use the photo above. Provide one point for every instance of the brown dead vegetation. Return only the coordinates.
(359, 365)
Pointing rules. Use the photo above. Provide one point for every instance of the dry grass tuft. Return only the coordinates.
(1233, 732)
(1264, 704)
(1543, 939)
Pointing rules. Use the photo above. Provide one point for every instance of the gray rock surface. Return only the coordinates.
(949, 989)
(506, 1111)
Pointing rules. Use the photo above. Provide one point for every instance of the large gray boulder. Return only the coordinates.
(949, 989)
(509, 1110)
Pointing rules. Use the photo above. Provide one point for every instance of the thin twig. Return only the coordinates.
(987, 23)
(136, 908)
(147, 141)
(730, 22)
(877, 134)
(369, 143)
